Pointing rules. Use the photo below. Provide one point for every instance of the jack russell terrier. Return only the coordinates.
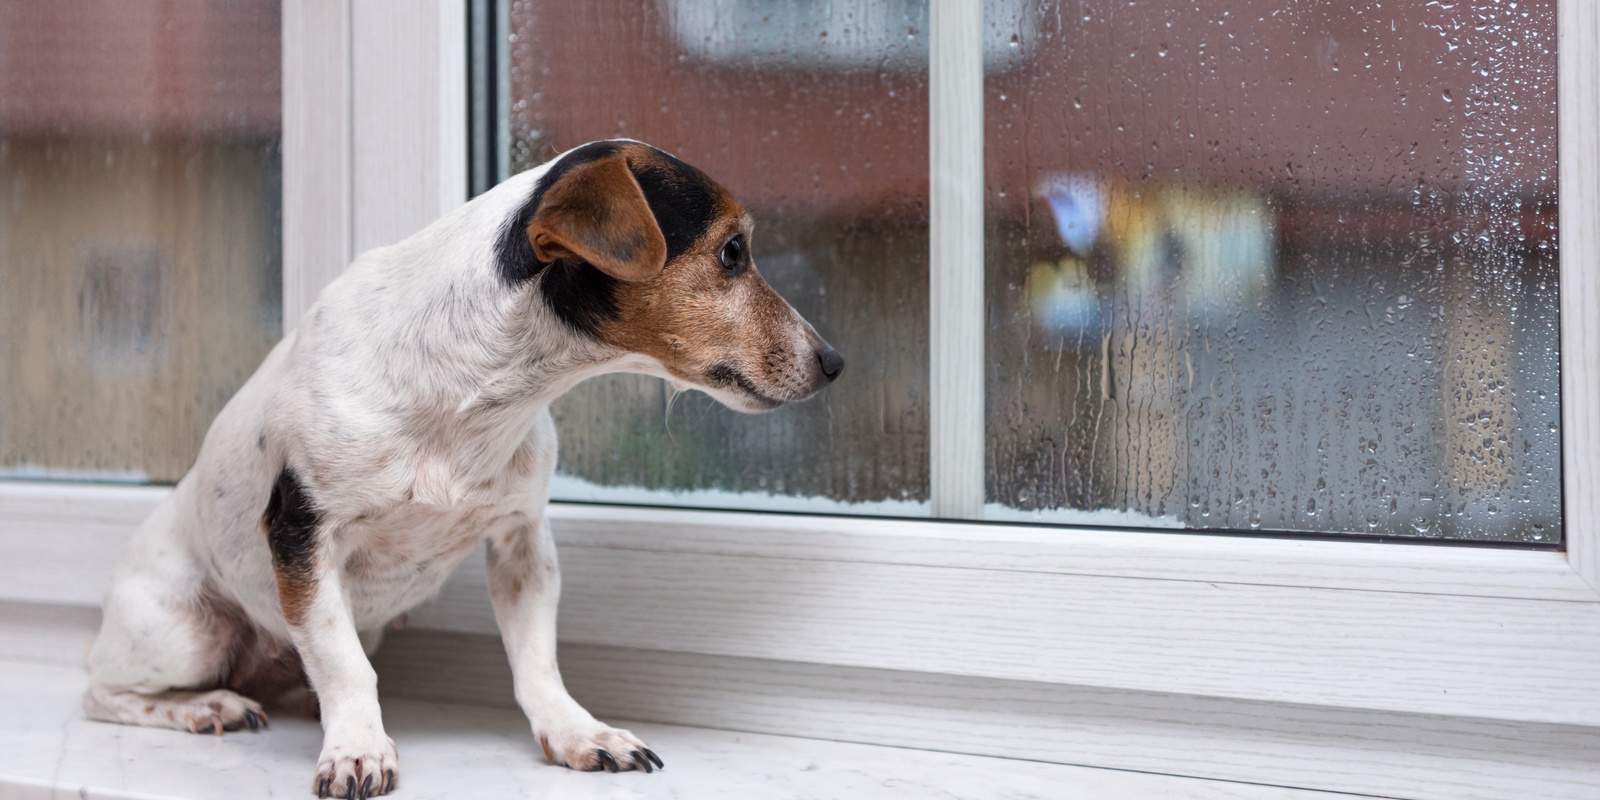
(407, 420)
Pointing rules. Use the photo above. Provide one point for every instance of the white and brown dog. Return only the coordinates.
(407, 420)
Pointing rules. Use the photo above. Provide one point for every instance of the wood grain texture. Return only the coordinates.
(955, 254)
(317, 167)
(1398, 755)
(1579, 84)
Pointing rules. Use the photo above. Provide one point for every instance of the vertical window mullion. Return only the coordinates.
(1578, 79)
(955, 263)
(317, 218)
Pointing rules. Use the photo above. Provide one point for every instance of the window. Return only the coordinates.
(139, 151)
(828, 149)
(1248, 267)
(1268, 266)
(1088, 330)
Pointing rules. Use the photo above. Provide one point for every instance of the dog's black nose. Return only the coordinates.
(831, 362)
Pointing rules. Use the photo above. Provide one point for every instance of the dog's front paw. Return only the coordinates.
(593, 746)
(357, 767)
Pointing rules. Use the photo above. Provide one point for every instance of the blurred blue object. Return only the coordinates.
(1078, 205)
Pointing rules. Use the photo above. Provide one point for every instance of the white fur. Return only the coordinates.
(413, 404)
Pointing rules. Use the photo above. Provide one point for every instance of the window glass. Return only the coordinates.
(815, 116)
(139, 228)
(1260, 265)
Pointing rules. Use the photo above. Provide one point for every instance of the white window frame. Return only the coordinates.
(1389, 669)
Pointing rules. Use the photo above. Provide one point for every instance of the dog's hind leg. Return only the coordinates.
(213, 711)
(164, 644)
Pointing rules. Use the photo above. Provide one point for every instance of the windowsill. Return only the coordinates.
(48, 750)
(1018, 649)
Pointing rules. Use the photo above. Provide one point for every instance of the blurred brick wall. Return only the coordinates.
(145, 68)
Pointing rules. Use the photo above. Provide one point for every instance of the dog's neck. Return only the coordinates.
(456, 360)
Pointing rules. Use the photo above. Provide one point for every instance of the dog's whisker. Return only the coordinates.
(673, 392)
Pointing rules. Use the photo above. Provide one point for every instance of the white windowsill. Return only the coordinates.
(47, 750)
(883, 633)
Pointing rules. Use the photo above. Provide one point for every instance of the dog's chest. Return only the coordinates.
(402, 557)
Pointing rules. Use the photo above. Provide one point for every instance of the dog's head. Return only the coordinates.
(642, 252)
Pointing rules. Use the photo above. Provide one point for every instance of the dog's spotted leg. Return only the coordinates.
(358, 758)
(213, 711)
(164, 642)
(525, 585)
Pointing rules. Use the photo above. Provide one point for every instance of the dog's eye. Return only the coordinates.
(732, 255)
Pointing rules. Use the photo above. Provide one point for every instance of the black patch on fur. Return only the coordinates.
(680, 196)
(292, 521)
(725, 375)
(682, 199)
(582, 296)
(514, 252)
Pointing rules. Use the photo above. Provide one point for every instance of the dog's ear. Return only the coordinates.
(597, 212)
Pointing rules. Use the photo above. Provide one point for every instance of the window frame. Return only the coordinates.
(1352, 634)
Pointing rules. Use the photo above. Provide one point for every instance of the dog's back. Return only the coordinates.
(407, 420)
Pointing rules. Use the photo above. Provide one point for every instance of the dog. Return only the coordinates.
(405, 423)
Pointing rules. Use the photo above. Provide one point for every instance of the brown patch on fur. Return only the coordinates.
(295, 588)
(290, 525)
(461, 537)
(597, 213)
(511, 561)
(296, 585)
(693, 315)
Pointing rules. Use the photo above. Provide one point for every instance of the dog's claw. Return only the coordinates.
(607, 760)
(350, 788)
(366, 787)
(651, 754)
(390, 781)
(641, 762)
(322, 785)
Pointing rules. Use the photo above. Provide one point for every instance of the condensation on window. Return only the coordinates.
(140, 263)
(815, 116)
(1278, 266)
